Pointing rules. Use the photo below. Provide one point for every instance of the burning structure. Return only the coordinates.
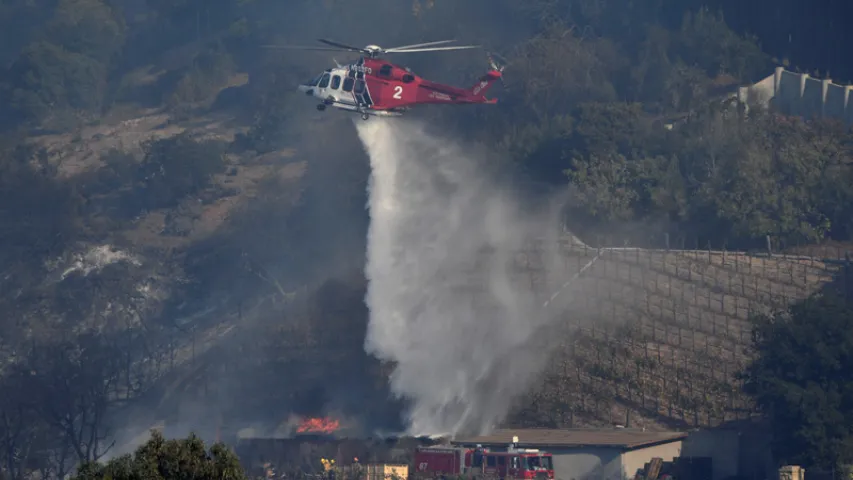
(318, 425)
(311, 439)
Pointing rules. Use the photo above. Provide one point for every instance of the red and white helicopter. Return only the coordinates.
(373, 86)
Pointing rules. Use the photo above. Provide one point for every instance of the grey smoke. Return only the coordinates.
(465, 335)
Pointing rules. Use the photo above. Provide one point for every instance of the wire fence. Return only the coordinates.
(659, 335)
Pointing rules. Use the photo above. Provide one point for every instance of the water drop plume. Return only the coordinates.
(465, 335)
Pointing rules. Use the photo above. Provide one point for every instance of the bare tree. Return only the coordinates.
(18, 429)
(73, 383)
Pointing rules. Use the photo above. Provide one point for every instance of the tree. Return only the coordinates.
(802, 378)
(705, 40)
(168, 459)
(603, 185)
(73, 383)
(87, 27)
(38, 219)
(558, 69)
(19, 21)
(763, 174)
(47, 78)
(20, 427)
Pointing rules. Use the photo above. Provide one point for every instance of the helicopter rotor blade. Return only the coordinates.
(500, 58)
(418, 45)
(298, 47)
(437, 49)
(341, 45)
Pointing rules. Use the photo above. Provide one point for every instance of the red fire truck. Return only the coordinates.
(449, 462)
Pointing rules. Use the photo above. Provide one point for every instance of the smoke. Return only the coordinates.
(465, 335)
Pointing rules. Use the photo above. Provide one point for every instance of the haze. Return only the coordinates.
(188, 243)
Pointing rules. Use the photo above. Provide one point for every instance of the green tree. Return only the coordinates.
(763, 174)
(605, 128)
(168, 460)
(47, 79)
(706, 41)
(20, 20)
(558, 69)
(64, 70)
(604, 186)
(88, 27)
(802, 378)
(651, 71)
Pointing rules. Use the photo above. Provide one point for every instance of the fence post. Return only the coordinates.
(769, 246)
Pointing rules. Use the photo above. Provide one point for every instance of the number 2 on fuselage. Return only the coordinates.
(398, 92)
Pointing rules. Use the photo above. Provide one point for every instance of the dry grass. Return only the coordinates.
(126, 127)
(655, 338)
(150, 229)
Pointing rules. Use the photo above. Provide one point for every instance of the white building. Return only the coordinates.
(586, 454)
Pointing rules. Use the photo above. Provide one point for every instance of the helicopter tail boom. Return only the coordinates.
(484, 83)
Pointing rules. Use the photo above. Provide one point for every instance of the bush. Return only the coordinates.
(47, 78)
(87, 27)
(177, 167)
(39, 218)
(167, 460)
(210, 71)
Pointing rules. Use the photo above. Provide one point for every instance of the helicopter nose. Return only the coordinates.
(304, 88)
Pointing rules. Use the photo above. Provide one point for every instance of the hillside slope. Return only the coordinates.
(655, 338)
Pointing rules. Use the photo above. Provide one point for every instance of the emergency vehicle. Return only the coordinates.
(449, 462)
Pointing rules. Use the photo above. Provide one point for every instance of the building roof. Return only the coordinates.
(622, 438)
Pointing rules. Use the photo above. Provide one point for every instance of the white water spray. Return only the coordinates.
(464, 334)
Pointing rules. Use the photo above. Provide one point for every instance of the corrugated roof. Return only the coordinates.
(541, 437)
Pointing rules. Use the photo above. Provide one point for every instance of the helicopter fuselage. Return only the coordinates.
(377, 87)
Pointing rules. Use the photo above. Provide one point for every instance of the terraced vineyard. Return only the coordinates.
(654, 338)
(647, 338)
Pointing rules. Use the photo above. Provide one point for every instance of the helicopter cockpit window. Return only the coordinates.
(408, 78)
(336, 82)
(324, 82)
(348, 84)
(359, 87)
(385, 70)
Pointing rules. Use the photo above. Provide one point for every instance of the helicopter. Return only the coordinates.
(373, 86)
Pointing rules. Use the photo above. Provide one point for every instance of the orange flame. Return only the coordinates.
(318, 425)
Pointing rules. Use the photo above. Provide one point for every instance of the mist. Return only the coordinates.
(465, 336)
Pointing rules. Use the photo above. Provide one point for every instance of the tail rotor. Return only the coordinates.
(490, 56)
